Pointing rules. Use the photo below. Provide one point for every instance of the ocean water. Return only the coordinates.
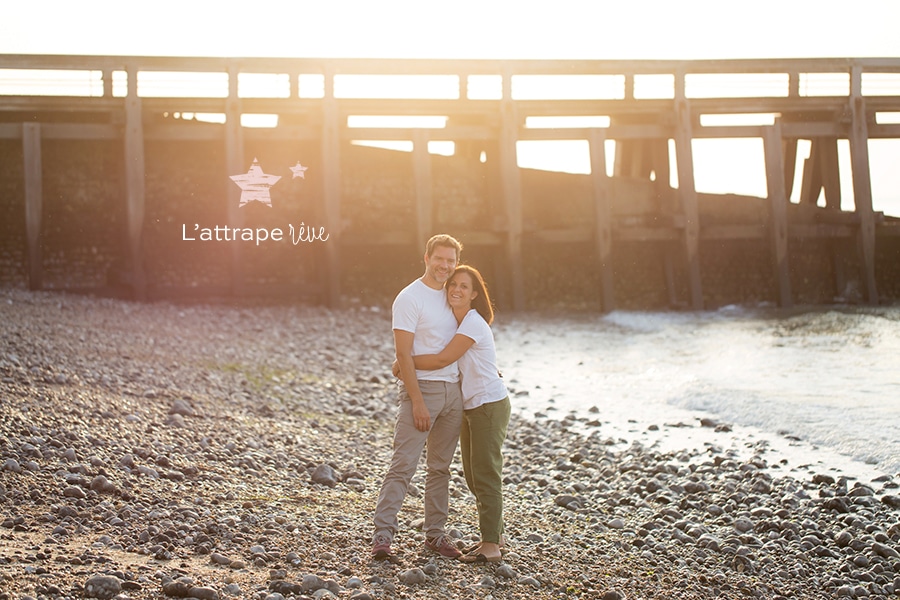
(819, 389)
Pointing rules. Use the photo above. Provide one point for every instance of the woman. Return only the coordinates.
(486, 404)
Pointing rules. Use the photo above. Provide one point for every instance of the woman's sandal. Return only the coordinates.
(478, 557)
(475, 547)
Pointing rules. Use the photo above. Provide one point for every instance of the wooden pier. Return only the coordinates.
(642, 123)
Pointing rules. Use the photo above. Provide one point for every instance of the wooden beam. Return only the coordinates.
(134, 184)
(602, 219)
(331, 166)
(687, 194)
(34, 194)
(821, 231)
(778, 221)
(423, 189)
(65, 131)
(637, 233)
(512, 195)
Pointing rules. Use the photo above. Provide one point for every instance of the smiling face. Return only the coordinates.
(439, 266)
(460, 291)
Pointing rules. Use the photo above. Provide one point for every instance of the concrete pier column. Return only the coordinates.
(778, 221)
(602, 219)
(862, 184)
(687, 194)
(134, 184)
(34, 197)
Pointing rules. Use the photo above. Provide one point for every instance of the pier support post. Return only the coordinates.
(236, 164)
(34, 197)
(862, 184)
(687, 193)
(602, 218)
(664, 203)
(424, 198)
(331, 167)
(512, 195)
(134, 184)
(778, 221)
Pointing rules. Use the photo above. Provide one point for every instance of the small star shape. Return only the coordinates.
(298, 171)
(255, 185)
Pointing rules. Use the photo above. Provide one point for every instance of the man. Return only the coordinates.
(430, 403)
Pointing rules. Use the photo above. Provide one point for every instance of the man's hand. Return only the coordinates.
(421, 417)
(395, 369)
(403, 341)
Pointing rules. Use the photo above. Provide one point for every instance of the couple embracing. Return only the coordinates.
(451, 392)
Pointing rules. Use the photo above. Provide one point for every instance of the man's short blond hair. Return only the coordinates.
(442, 239)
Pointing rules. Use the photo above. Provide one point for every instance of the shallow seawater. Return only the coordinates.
(820, 388)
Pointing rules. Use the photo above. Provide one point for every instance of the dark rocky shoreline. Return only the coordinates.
(159, 451)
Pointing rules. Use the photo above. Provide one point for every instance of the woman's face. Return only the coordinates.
(460, 291)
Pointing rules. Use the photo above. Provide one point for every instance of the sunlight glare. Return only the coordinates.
(173, 84)
(654, 87)
(803, 149)
(887, 118)
(264, 85)
(736, 85)
(397, 121)
(444, 87)
(210, 117)
(563, 122)
(484, 87)
(824, 84)
(568, 87)
(731, 120)
(566, 156)
(442, 147)
(260, 121)
(730, 166)
(311, 85)
(45, 82)
(397, 145)
(881, 84)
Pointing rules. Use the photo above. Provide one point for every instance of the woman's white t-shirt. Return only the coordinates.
(481, 381)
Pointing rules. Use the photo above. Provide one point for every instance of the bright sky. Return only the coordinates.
(561, 29)
(633, 29)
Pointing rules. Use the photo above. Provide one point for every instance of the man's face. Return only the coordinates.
(440, 265)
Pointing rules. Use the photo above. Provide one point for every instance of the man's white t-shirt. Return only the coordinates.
(424, 312)
(481, 383)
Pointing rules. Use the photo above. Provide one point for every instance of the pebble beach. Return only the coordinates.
(161, 450)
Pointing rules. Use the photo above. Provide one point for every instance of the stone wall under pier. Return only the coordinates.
(84, 237)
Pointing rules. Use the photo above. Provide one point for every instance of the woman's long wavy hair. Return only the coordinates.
(482, 301)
